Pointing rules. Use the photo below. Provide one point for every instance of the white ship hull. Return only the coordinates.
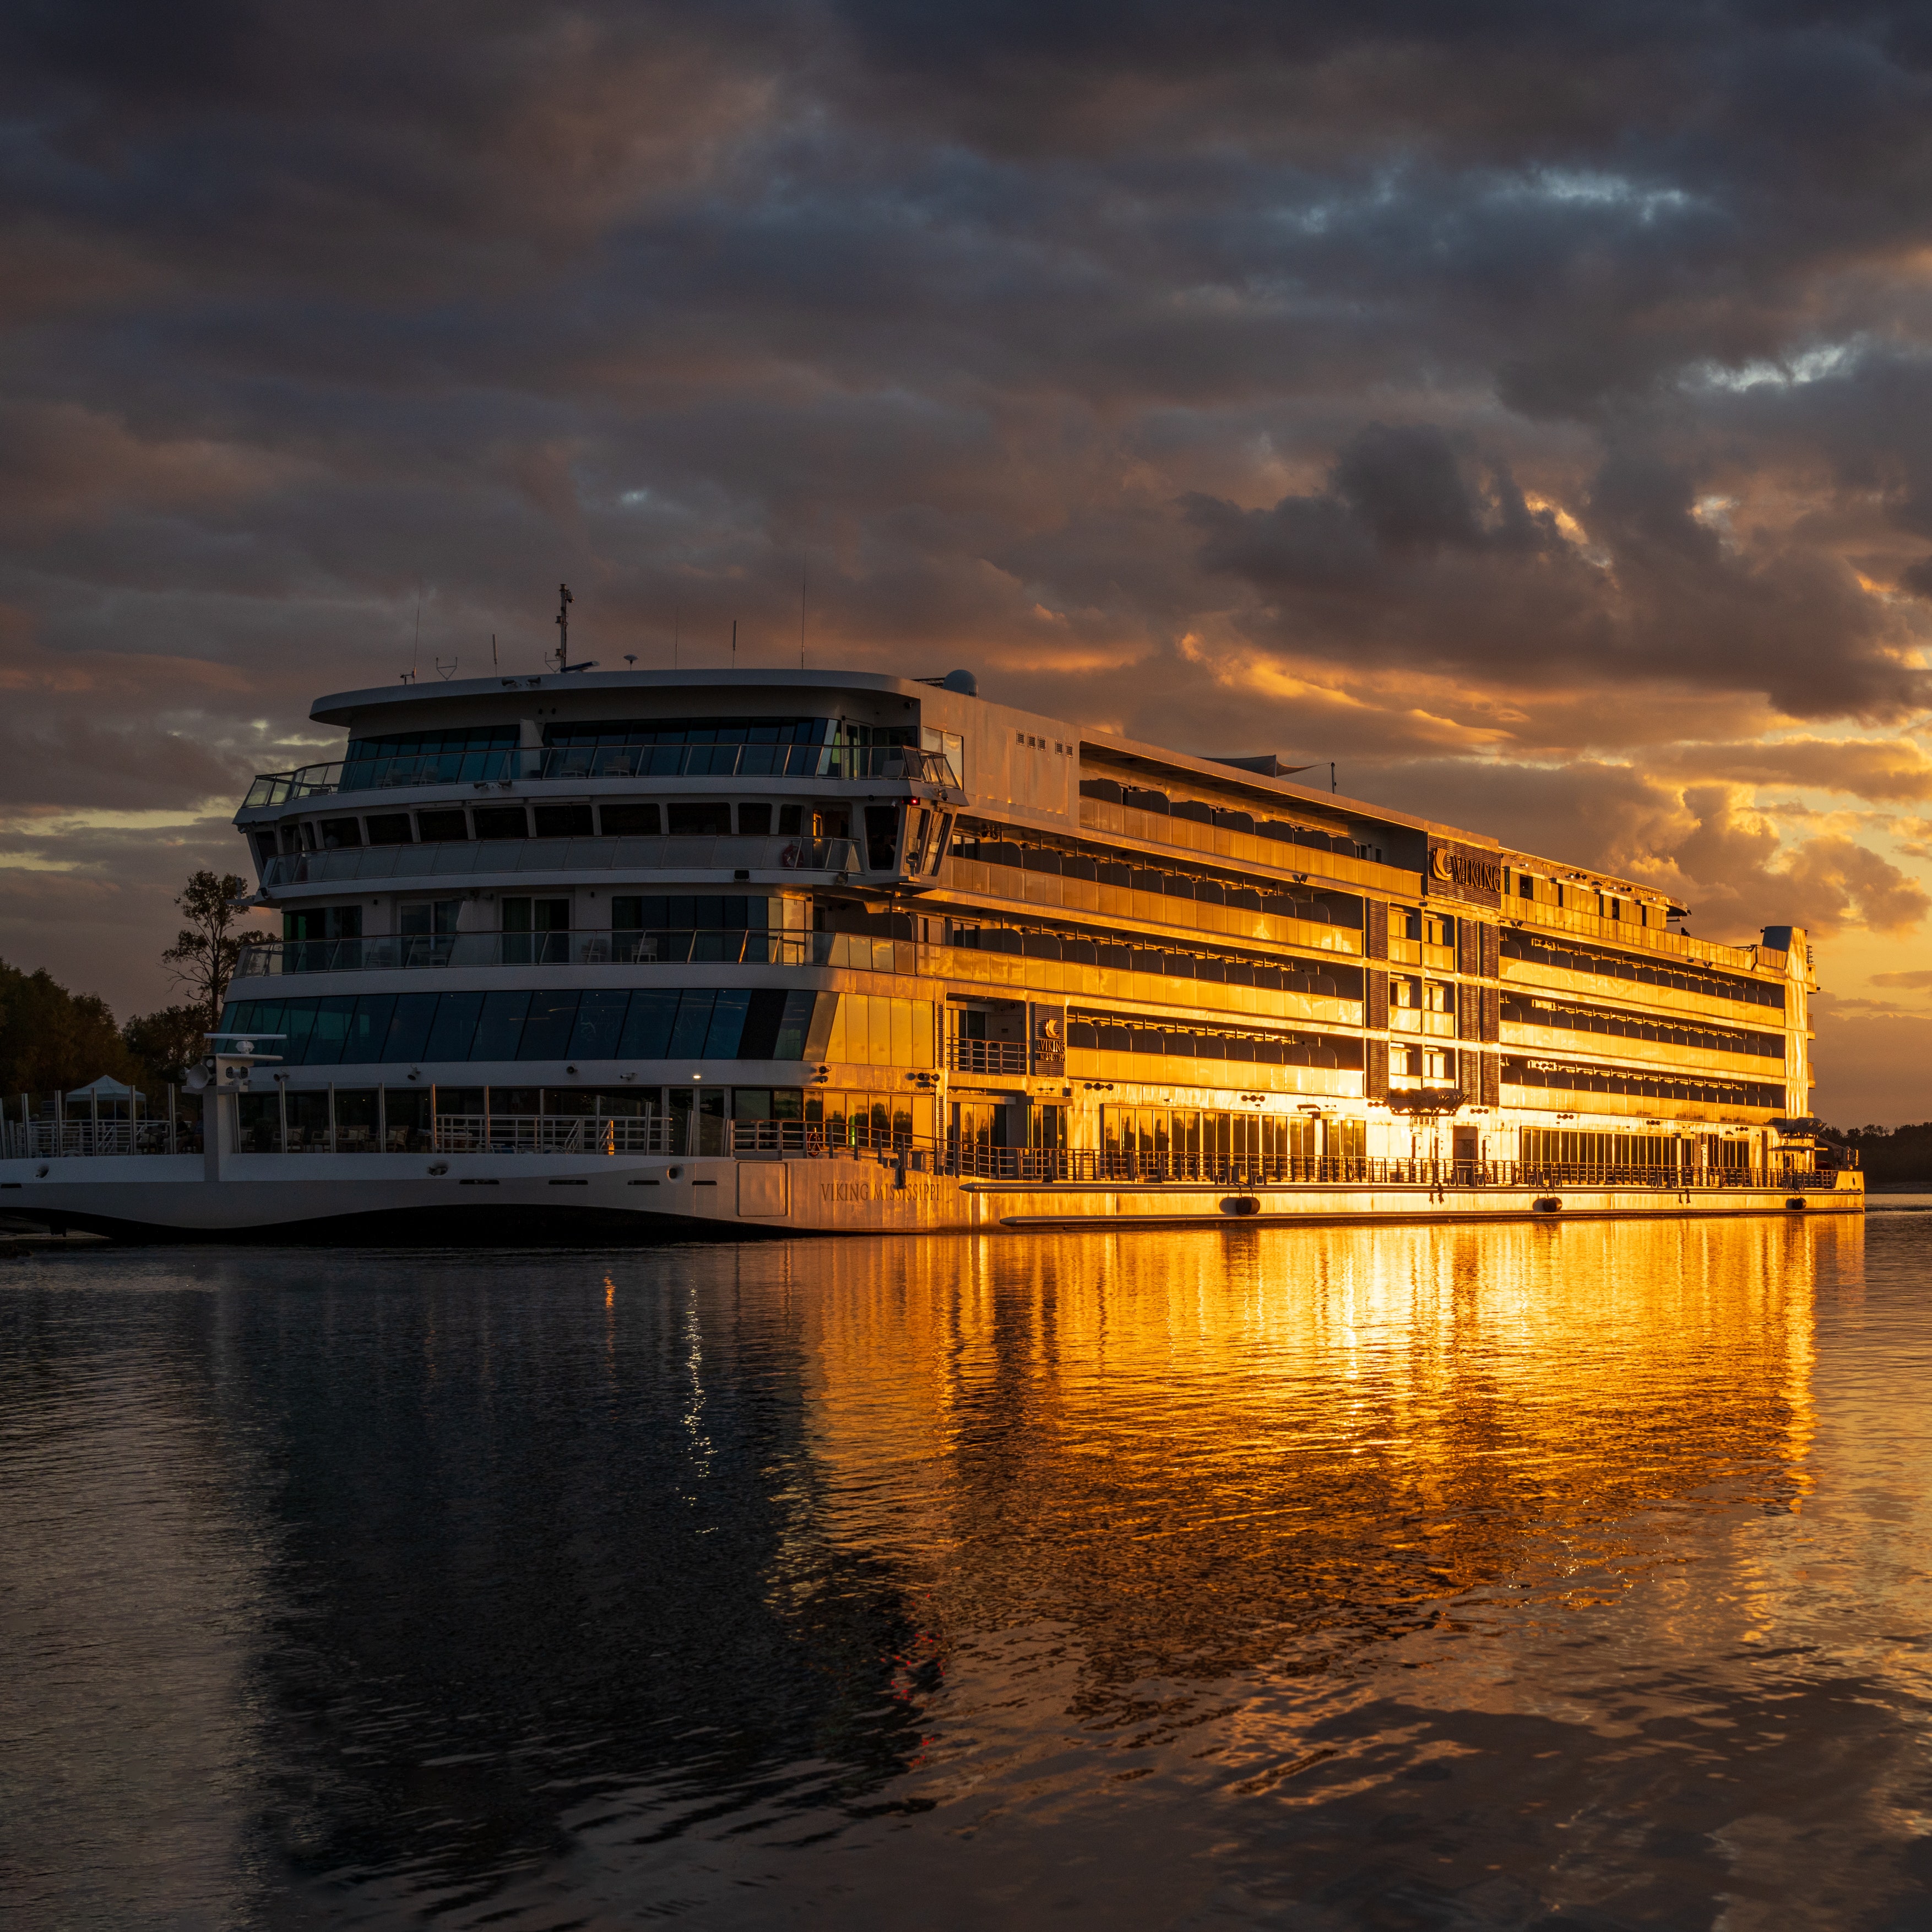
(561, 1198)
(896, 958)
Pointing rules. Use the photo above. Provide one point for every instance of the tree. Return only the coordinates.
(1902, 1154)
(51, 1039)
(202, 958)
(169, 1041)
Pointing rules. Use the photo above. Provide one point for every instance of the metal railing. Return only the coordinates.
(458, 858)
(559, 1133)
(29, 1140)
(1108, 1166)
(859, 1139)
(986, 1056)
(510, 764)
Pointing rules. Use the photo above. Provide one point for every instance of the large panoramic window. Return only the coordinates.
(695, 731)
(717, 747)
(617, 1023)
(430, 757)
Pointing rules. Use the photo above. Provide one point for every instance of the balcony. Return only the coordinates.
(455, 859)
(986, 1056)
(512, 764)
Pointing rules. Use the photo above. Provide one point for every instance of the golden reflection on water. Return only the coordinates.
(1190, 1453)
(1419, 1576)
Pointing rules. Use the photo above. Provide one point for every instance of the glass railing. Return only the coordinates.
(511, 764)
(409, 952)
(404, 952)
(454, 859)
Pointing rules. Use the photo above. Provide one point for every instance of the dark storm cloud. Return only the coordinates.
(1451, 391)
(1402, 552)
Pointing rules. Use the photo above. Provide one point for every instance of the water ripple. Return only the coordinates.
(1530, 1577)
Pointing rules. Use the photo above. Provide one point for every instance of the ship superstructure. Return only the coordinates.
(665, 951)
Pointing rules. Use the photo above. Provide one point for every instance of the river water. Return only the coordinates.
(1536, 1576)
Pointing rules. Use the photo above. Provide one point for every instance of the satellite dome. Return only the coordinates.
(963, 682)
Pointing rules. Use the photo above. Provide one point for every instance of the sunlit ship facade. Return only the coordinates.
(663, 951)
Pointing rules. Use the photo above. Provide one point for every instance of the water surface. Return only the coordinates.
(1538, 1576)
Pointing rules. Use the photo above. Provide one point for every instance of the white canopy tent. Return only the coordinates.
(105, 1089)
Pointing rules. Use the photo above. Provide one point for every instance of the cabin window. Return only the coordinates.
(437, 828)
(323, 922)
(630, 821)
(882, 837)
(389, 828)
(428, 918)
(502, 821)
(341, 835)
(536, 932)
(564, 821)
(754, 821)
(701, 818)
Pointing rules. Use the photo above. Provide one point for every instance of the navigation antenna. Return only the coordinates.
(446, 674)
(564, 602)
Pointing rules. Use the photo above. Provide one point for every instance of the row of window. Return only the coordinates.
(1550, 1077)
(655, 1023)
(1588, 899)
(1119, 1032)
(1224, 969)
(637, 731)
(1112, 869)
(1573, 957)
(633, 913)
(1667, 1030)
(1558, 1147)
(688, 1120)
(646, 818)
(1228, 818)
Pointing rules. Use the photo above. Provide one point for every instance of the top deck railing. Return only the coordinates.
(859, 1138)
(511, 763)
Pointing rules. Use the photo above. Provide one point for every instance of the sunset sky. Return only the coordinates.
(1527, 408)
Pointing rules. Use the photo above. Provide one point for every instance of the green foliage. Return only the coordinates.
(1905, 1153)
(50, 1038)
(167, 1041)
(203, 956)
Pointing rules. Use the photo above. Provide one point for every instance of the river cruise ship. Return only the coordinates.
(659, 954)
